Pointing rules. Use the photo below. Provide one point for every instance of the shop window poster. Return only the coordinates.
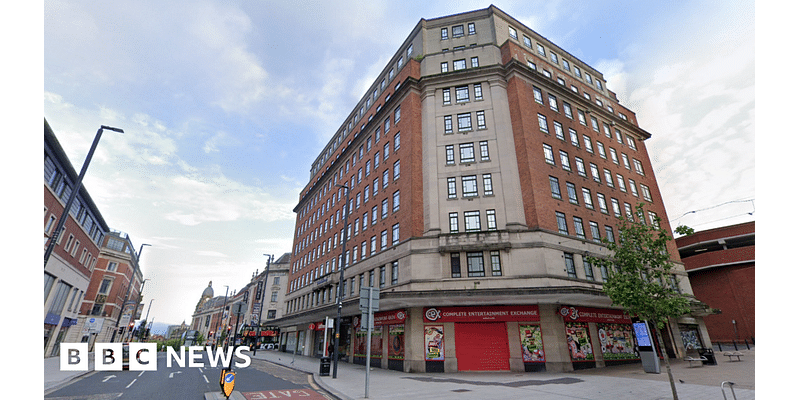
(530, 337)
(376, 347)
(434, 343)
(580, 346)
(616, 341)
(360, 344)
(397, 342)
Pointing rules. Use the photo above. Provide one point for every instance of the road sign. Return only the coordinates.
(366, 294)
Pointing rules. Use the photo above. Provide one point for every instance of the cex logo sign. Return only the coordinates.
(142, 356)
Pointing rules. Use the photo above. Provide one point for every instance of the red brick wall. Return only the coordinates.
(732, 290)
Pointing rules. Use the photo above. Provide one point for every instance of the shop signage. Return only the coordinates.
(477, 314)
(588, 314)
(390, 317)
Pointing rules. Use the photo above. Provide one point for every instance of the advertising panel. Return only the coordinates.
(530, 337)
(616, 341)
(434, 342)
(578, 341)
(397, 342)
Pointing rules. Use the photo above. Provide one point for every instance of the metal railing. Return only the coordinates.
(730, 385)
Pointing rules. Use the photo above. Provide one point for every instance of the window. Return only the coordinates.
(487, 185)
(466, 152)
(548, 154)
(553, 57)
(595, 172)
(553, 102)
(477, 87)
(578, 223)
(573, 137)
(537, 95)
(614, 157)
(450, 154)
(587, 268)
(559, 130)
(610, 234)
(383, 240)
(565, 64)
(587, 198)
(451, 188)
(384, 208)
(646, 192)
(569, 263)
(464, 122)
(631, 142)
(395, 272)
(601, 202)
(587, 142)
(512, 32)
(474, 62)
(621, 182)
(446, 96)
(491, 220)
(632, 185)
(471, 28)
(567, 109)
(572, 193)
(396, 115)
(472, 221)
(475, 264)
(601, 149)
(458, 31)
(527, 41)
(385, 151)
(609, 179)
(385, 178)
(455, 265)
(462, 94)
(453, 222)
(615, 207)
(564, 160)
(540, 48)
(561, 220)
(448, 124)
(396, 170)
(395, 234)
(469, 185)
(484, 149)
(395, 202)
(581, 167)
(459, 64)
(444, 34)
(543, 124)
(105, 286)
(594, 228)
(494, 259)
(112, 266)
(625, 161)
(555, 190)
(444, 66)
(581, 117)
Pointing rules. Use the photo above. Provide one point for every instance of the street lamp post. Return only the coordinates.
(63, 219)
(138, 299)
(222, 317)
(339, 290)
(127, 294)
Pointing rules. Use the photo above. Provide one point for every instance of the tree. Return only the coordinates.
(684, 230)
(641, 279)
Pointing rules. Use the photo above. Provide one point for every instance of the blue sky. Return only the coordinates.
(226, 104)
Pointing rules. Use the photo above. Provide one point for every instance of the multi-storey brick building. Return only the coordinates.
(115, 281)
(482, 167)
(77, 249)
(721, 264)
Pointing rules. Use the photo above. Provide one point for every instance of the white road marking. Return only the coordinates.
(140, 373)
(107, 377)
(129, 385)
(204, 377)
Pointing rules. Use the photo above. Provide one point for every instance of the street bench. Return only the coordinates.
(699, 360)
(731, 354)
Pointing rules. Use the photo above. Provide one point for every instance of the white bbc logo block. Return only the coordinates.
(143, 356)
(74, 356)
(108, 356)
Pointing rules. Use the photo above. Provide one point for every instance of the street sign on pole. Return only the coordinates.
(368, 293)
(368, 303)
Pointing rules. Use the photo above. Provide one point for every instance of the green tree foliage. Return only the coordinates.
(641, 279)
(684, 230)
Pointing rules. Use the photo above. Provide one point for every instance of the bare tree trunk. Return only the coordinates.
(666, 363)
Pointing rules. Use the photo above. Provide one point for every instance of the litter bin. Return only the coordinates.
(708, 353)
(324, 366)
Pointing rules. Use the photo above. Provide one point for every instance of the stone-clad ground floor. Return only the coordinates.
(516, 337)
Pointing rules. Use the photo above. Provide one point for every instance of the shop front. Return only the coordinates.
(388, 337)
(596, 334)
(489, 338)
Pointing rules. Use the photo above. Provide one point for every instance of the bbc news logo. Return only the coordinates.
(142, 356)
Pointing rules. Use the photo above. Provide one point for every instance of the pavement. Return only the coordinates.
(625, 382)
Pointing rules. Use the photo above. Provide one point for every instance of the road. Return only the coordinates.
(260, 380)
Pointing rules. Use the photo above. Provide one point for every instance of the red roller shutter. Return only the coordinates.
(482, 346)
